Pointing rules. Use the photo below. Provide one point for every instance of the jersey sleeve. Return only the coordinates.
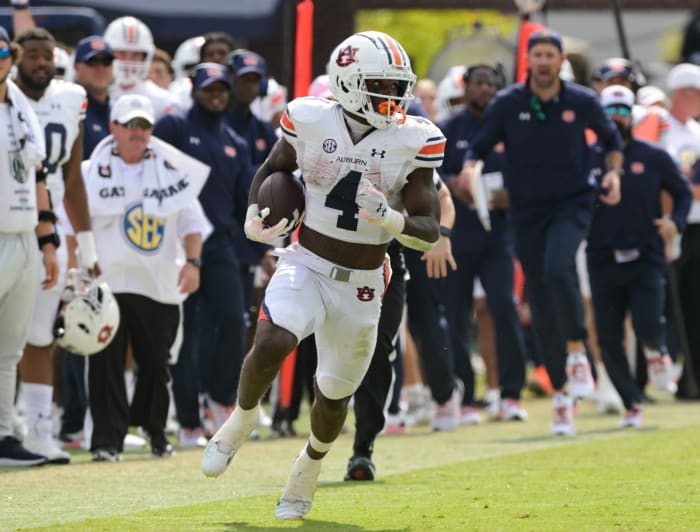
(301, 113)
(76, 100)
(431, 151)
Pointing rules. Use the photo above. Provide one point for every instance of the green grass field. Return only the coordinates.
(496, 476)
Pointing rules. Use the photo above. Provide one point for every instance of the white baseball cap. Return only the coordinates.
(683, 76)
(651, 95)
(617, 95)
(131, 106)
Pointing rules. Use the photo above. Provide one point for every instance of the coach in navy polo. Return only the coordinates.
(542, 124)
(626, 260)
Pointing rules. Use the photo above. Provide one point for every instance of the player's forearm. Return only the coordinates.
(76, 204)
(425, 228)
(193, 246)
(447, 208)
(22, 18)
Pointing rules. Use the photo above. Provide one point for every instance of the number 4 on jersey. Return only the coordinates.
(342, 198)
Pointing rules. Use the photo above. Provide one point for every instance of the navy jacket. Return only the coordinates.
(548, 158)
(630, 224)
(207, 138)
(260, 136)
(96, 124)
(468, 235)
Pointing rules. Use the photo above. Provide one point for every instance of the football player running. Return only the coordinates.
(60, 107)
(368, 171)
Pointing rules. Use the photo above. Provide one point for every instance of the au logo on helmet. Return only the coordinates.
(346, 56)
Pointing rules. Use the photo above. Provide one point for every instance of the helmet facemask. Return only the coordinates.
(385, 114)
(370, 56)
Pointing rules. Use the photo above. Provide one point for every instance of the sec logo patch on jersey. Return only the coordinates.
(144, 233)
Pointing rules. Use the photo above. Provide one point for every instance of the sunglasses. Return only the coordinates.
(5, 52)
(619, 110)
(536, 106)
(99, 61)
(137, 123)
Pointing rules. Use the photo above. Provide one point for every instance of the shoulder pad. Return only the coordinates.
(309, 109)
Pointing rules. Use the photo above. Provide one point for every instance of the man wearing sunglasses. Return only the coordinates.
(149, 227)
(626, 260)
(541, 123)
(94, 72)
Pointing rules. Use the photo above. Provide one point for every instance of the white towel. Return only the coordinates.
(171, 179)
(28, 131)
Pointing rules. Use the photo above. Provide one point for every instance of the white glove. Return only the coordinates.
(375, 208)
(255, 228)
(19, 4)
(87, 254)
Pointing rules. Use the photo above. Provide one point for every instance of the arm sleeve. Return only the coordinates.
(288, 128)
(193, 220)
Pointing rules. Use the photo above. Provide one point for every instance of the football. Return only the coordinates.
(283, 194)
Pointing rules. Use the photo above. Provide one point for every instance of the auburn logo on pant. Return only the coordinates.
(365, 293)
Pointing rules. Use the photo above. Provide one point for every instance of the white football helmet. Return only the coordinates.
(450, 97)
(129, 34)
(88, 317)
(187, 56)
(273, 103)
(63, 63)
(370, 55)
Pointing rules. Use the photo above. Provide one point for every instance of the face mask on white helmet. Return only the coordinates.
(187, 56)
(450, 97)
(129, 34)
(366, 56)
(88, 316)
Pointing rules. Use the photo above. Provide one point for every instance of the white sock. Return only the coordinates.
(36, 399)
(302, 478)
(236, 428)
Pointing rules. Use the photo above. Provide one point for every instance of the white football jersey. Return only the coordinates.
(60, 111)
(18, 183)
(163, 102)
(334, 168)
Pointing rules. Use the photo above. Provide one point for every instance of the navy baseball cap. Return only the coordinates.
(91, 46)
(545, 36)
(205, 74)
(243, 61)
(3, 35)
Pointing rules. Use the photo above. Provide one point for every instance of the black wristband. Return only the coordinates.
(445, 231)
(49, 239)
(47, 216)
(195, 262)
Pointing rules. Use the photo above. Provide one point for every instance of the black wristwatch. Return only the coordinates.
(196, 262)
(49, 239)
(445, 231)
